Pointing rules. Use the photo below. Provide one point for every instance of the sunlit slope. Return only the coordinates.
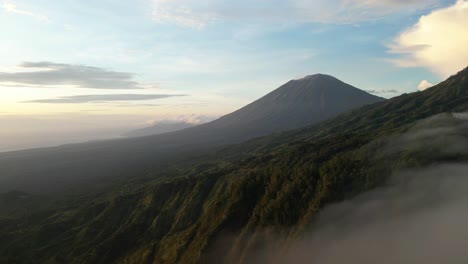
(74, 167)
(224, 212)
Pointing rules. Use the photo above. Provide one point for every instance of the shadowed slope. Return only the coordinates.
(295, 104)
(230, 209)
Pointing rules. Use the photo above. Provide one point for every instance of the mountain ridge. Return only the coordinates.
(225, 211)
(293, 105)
(299, 102)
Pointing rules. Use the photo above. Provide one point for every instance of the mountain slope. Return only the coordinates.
(295, 104)
(225, 212)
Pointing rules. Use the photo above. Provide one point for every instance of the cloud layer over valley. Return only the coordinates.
(419, 216)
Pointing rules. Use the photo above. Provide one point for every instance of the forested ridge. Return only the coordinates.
(225, 209)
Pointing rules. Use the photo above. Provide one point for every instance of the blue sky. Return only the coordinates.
(218, 54)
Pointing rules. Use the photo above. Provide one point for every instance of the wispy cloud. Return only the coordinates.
(103, 98)
(189, 119)
(438, 41)
(197, 14)
(52, 74)
(388, 91)
(168, 11)
(10, 7)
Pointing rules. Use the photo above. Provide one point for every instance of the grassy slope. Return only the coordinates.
(281, 185)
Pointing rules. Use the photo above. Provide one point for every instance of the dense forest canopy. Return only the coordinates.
(243, 202)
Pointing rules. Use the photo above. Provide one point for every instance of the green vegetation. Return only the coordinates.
(97, 165)
(224, 210)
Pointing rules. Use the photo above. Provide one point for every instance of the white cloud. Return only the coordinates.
(10, 7)
(424, 84)
(179, 13)
(355, 11)
(195, 119)
(395, 3)
(198, 14)
(189, 119)
(438, 41)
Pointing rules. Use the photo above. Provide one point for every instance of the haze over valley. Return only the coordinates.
(244, 132)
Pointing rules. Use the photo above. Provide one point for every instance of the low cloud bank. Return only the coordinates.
(419, 216)
(170, 125)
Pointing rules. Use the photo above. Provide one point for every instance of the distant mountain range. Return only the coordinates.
(235, 203)
(160, 128)
(295, 104)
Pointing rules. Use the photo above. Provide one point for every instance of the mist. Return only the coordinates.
(23, 132)
(419, 216)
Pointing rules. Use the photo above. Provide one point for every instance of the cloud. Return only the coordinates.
(189, 119)
(418, 216)
(182, 15)
(10, 7)
(103, 98)
(195, 119)
(423, 85)
(198, 14)
(394, 91)
(437, 41)
(395, 3)
(52, 74)
(161, 126)
(355, 11)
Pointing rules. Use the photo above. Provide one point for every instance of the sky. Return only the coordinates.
(83, 70)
